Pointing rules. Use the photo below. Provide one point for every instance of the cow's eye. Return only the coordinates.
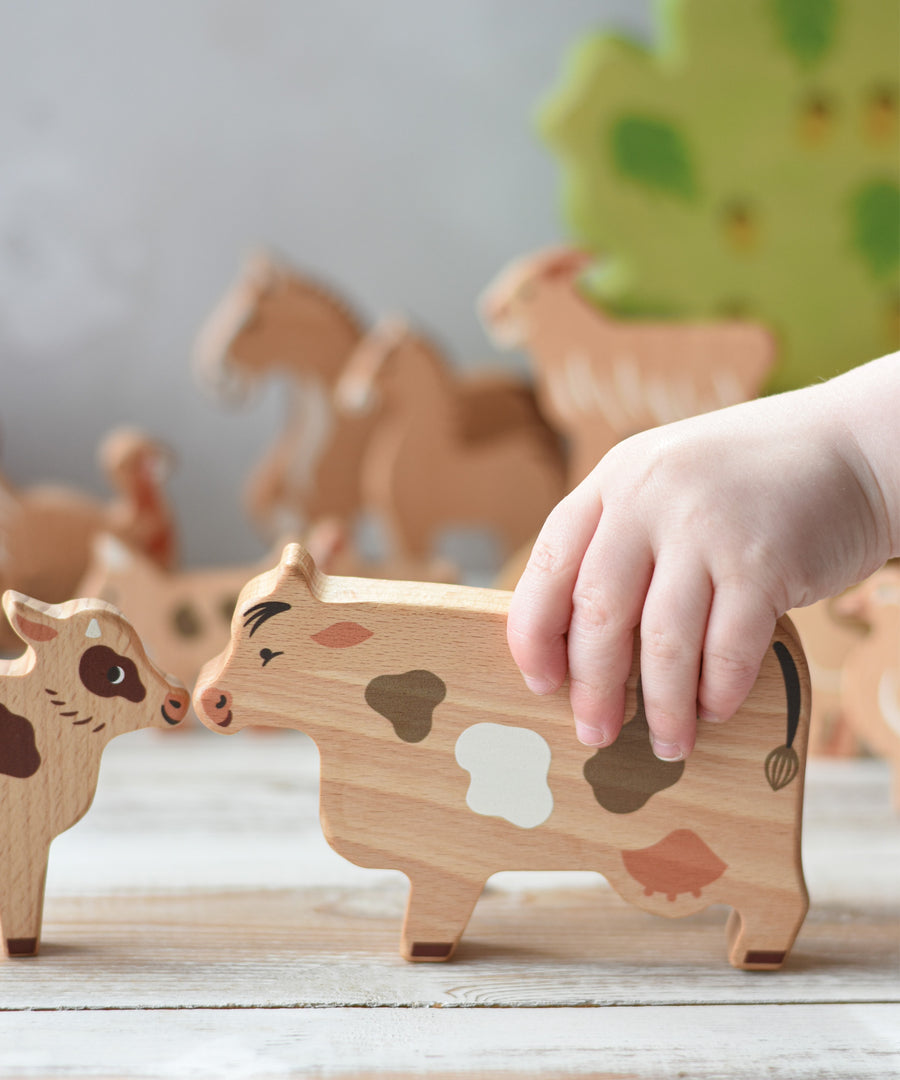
(116, 675)
(266, 655)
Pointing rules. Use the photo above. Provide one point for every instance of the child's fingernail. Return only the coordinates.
(709, 717)
(537, 684)
(590, 736)
(667, 751)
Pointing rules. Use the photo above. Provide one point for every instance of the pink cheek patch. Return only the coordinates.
(342, 635)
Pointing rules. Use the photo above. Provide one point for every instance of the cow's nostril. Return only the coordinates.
(222, 702)
(176, 704)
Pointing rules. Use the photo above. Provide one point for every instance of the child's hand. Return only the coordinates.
(701, 533)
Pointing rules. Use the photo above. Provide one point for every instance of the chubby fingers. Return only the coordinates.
(541, 606)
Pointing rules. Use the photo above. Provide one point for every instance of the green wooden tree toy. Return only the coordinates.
(744, 165)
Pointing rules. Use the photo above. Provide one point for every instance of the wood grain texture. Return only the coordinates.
(197, 924)
(796, 1042)
(394, 681)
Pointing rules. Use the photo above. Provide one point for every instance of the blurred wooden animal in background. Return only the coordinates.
(275, 321)
(84, 679)
(447, 451)
(601, 379)
(182, 616)
(870, 685)
(828, 638)
(46, 531)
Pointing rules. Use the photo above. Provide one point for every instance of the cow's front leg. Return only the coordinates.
(760, 934)
(22, 878)
(437, 911)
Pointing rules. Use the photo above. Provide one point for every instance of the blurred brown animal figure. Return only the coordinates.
(871, 678)
(447, 451)
(46, 531)
(601, 379)
(276, 321)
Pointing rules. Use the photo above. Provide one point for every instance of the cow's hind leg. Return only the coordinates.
(437, 911)
(22, 883)
(760, 937)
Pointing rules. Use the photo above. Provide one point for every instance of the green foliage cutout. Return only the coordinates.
(652, 152)
(745, 164)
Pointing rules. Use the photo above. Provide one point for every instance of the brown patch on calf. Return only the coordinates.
(408, 701)
(19, 755)
(680, 863)
(107, 674)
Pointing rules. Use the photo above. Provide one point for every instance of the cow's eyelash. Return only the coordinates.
(267, 654)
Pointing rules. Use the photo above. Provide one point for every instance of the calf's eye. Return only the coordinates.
(266, 655)
(116, 675)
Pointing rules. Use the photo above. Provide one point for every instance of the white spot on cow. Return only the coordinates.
(93, 630)
(508, 766)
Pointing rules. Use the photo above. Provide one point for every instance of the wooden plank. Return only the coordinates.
(334, 946)
(800, 1042)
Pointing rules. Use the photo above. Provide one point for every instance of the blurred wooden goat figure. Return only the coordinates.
(601, 379)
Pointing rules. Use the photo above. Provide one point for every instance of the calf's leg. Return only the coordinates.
(22, 879)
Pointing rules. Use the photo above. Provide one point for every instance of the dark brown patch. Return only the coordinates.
(408, 701)
(19, 755)
(679, 863)
(431, 950)
(22, 946)
(107, 674)
(625, 775)
(186, 621)
(760, 956)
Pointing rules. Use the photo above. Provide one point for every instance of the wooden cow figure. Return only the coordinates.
(84, 679)
(437, 761)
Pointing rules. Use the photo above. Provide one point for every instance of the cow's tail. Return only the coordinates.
(783, 763)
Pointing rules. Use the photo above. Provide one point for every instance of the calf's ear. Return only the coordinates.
(31, 619)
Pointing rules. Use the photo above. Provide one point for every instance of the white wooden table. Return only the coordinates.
(197, 925)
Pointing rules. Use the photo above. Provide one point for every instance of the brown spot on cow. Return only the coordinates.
(107, 674)
(625, 775)
(680, 863)
(19, 755)
(408, 701)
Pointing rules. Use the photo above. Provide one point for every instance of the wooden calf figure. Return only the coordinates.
(84, 679)
(437, 761)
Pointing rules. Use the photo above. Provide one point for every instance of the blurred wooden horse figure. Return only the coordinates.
(276, 321)
(447, 452)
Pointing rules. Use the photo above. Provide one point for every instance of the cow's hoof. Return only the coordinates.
(22, 946)
(761, 960)
(432, 950)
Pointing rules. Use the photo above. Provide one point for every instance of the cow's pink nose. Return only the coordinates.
(216, 706)
(176, 705)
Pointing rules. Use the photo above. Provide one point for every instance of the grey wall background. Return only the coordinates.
(147, 145)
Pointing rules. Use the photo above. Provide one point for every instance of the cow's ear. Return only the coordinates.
(298, 565)
(32, 620)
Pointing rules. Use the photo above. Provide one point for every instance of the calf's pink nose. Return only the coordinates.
(177, 704)
(216, 706)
